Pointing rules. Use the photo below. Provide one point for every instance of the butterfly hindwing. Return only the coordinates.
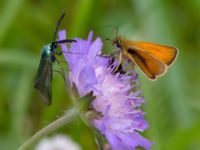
(151, 66)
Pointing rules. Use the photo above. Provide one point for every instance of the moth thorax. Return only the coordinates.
(46, 51)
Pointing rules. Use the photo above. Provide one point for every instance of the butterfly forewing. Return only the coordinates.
(43, 79)
(166, 54)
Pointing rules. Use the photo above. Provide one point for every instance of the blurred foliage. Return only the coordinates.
(172, 102)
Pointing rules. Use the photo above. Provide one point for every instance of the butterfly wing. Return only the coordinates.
(150, 65)
(165, 54)
(43, 79)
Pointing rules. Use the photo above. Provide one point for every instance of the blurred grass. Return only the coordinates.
(173, 101)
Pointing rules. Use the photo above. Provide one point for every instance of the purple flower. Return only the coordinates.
(122, 120)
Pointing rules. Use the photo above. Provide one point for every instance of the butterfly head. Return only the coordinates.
(118, 42)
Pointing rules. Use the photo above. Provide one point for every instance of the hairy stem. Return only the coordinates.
(69, 115)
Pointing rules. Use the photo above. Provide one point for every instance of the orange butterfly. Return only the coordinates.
(153, 59)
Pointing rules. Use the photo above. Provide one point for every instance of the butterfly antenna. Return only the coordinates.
(57, 26)
(108, 39)
(115, 29)
(104, 26)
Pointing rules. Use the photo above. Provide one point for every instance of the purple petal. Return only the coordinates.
(87, 79)
(95, 50)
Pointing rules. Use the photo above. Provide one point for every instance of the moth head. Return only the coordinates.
(53, 46)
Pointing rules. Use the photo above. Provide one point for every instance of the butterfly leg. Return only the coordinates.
(118, 65)
(113, 53)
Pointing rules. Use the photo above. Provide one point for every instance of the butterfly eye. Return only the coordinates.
(118, 45)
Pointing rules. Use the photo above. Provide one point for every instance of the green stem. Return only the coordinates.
(69, 115)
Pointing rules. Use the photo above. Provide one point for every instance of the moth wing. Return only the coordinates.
(150, 65)
(166, 54)
(43, 79)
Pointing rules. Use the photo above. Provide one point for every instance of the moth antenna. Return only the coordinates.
(57, 26)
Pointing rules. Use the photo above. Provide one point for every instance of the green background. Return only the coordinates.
(172, 102)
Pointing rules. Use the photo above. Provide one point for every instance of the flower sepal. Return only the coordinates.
(83, 105)
(101, 142)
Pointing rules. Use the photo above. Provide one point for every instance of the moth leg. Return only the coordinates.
(59, 53)
(58, 71)
(62, 70)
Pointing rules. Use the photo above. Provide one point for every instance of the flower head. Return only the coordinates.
(121, 119)
(59, 142)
